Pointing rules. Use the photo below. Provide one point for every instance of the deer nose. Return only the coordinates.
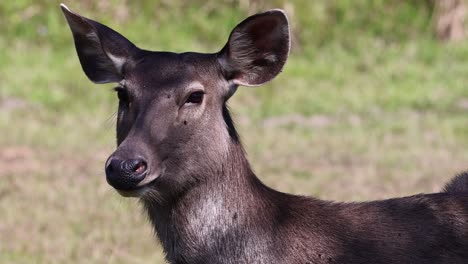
(125, 174)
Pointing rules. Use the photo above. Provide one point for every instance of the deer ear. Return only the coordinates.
(257, 49)
(103, 52)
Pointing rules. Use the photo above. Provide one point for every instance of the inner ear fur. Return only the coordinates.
(103, 52)
(257, 49)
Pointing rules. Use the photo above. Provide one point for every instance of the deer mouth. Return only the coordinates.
(141, 189)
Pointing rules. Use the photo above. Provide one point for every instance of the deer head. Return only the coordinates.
(173, 125)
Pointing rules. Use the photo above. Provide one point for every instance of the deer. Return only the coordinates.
(179, 153)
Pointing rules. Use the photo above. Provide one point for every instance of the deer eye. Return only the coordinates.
(195, 98)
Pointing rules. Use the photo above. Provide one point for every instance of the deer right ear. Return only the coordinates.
(257, 49)
(103, 53)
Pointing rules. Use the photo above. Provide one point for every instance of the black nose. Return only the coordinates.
(125, 174)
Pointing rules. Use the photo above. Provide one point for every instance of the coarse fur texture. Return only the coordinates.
(459, 184)
(179, 152)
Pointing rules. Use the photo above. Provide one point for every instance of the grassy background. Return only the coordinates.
(369, 106)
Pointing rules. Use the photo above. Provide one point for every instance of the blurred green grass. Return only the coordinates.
(369, 106)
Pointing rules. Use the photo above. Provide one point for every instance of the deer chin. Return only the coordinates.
(140, 190)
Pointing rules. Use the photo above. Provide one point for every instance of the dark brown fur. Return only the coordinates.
(459, 184)
(179, 152)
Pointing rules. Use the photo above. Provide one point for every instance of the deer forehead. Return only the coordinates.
(164, 71)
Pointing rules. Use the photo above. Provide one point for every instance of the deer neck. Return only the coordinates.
(224, 206)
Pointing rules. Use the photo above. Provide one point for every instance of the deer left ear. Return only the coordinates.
(103, 52)
(257, 49)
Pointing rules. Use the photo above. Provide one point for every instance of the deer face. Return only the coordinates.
(169, 120)
(173, 127)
